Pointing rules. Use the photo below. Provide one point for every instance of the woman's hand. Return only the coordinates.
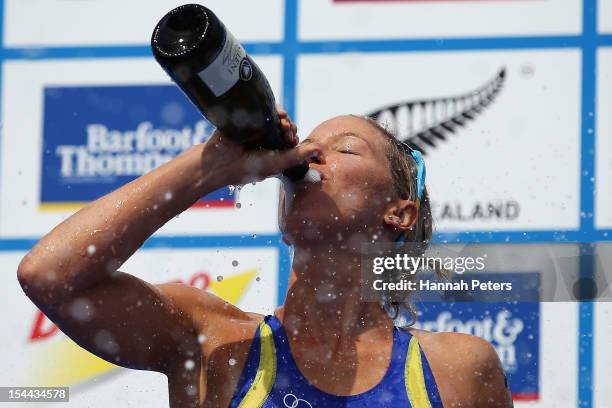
(226, 162)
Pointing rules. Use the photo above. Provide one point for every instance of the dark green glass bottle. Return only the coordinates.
(213, 70)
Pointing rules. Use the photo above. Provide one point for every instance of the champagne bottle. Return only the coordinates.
(213, 70)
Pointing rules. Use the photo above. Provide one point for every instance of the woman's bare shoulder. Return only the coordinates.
(466, 368)
(453, 343)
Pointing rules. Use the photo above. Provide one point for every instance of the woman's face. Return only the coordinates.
(355, 190)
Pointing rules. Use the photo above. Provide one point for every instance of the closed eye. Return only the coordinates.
(349, 152)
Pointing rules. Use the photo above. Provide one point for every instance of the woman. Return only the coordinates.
(323, 347)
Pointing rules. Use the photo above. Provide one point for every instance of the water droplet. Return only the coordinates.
(201, 338)
(232, 361)
(234, 263)
(105, 340)
(81, 309)
(91, 249)
(238, 205)
(189, 365)
(258, 279)
(219, 278)
(173, 113)
(168, 196)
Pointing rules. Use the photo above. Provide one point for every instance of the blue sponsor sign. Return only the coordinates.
(96, 139)
(513, 328)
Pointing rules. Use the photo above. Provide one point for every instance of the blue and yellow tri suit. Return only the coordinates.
(271, 378)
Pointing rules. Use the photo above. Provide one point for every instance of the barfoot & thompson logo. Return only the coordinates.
(98, 138)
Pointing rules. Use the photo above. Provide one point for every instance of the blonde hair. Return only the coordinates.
(404, 173)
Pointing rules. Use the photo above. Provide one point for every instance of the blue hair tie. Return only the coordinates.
(420, 181)
(418, 158)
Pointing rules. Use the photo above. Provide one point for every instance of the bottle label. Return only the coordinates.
(229, 66)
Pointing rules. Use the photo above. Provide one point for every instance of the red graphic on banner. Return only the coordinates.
(43, 328)
(410, 1)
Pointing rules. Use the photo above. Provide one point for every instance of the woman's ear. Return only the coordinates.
(401, 215)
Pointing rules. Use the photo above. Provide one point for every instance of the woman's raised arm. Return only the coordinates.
(71, 273)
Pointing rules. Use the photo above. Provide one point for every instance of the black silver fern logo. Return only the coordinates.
(422, 124)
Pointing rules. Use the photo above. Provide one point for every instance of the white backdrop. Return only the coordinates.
(20, 210)
(605, 16)
(522, 154)
(518, 128)
(603, 203)
(113, 22)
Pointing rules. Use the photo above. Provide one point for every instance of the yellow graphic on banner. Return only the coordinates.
(64, 206)
(232, 287)
(62, 362)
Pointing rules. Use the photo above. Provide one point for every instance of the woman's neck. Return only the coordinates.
(323, 303)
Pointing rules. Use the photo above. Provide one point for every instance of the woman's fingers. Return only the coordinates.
(285, 129)
(281, 111)
(241, 166)
(289, 132)
(285, 124)
(289, 128)
(295, 156)
(264, 164)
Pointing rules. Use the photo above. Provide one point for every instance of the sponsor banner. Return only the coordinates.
(536, 342)
(500, 130)
(602, 333)
(77, 130)
(91, 149)
(603, 151)
(513, 329)
(36, 353)
(362, 19)
(604, 13)
(117, 22)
